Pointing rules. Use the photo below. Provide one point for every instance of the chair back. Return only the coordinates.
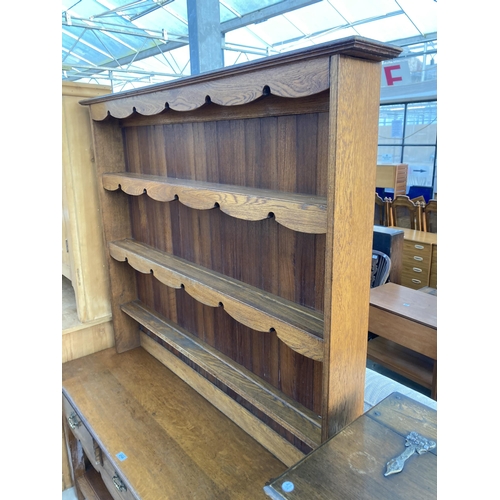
(381, 267)
(379, 218)
(406, 213)
(417, 191)
(430, 217)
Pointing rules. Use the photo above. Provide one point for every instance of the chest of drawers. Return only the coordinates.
(419, 259)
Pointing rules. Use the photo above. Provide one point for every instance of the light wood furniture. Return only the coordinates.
(406, 322)
(419, 259)
(382, 216)
(392, 176)
(352, 464)
(430, 216)
(406, 213)
(235, 256)
(84, 262)
(86, 323)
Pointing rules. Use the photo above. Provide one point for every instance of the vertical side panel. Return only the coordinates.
(110, 157)
(354, 108)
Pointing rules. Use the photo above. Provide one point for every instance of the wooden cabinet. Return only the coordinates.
(433, 277)
(419, 259)
(86, 304)
(238, 216)
(393, 176)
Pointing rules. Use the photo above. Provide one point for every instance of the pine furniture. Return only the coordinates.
(238, 216)
(392, 176)
(419, 259)
(86, 324)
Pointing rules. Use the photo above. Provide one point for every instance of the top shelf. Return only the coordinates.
(297, 73)
(299, 212)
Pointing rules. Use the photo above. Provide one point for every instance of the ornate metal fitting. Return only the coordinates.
(414, 443)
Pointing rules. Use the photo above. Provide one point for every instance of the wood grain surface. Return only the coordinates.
(354, 109)
(294, 417)
(351, 465)
(294, 74)
(299, 327)
(304, 213)
(177, 444)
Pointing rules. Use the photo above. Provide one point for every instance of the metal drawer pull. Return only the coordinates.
(420, 247)
(74, 421)
(417, 269)
(416, 257)
(119, 484)
(416, 281)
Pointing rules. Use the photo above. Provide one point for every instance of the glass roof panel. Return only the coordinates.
(152, 36)
(275, 30)
(315, 18)
(391, 28)
(356, 10)
(243, 7)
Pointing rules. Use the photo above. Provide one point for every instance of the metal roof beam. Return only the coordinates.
(264, 14)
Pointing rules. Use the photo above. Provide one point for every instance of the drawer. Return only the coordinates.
(412, 249)
(414, 280)
(81, 433)
(113, 481)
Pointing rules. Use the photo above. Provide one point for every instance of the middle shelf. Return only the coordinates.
(299, 327)
(299, 212)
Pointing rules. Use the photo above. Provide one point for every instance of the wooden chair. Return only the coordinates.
(430, 217)
(380, 211)
(406, 213)
(381, 268)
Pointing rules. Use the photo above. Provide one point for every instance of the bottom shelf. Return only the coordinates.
(399, 359)
(92, 487)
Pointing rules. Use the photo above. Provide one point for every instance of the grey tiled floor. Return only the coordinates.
(69, 494)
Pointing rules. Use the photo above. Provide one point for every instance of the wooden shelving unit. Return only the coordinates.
(237, 209)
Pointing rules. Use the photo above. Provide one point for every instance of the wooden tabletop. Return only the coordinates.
(405, 302)
(419, 236)
(352, 464)
(177, 445)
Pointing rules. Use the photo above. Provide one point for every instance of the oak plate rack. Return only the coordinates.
(237, 210)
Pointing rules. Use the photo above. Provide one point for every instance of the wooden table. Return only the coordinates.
(352, 464)
(406, 322)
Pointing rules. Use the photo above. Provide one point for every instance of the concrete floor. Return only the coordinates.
(69, 494)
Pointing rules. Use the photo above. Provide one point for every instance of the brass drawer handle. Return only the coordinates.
(419, 247)
(416, 281)
(416, 257)
(119, 485)
(74, 421)
(417, 269)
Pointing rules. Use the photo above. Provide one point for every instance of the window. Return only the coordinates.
(407, 134)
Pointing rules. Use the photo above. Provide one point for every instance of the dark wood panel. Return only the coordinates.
(299, 327)
(301, 422)
(262, 254)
